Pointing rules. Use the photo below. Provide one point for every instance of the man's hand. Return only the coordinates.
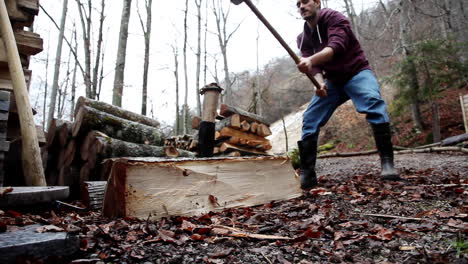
(322, 92)
(305, 64)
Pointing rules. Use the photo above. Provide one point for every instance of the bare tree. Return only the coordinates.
(53, 96)
(198, 3)
(46, 84)
(85, 18)
(73, 85)
(121, 53)
(405, 39)
(98, 52)
(184, 51)
(221, 17)
(175, 52)
(352, 16)
(147, 35)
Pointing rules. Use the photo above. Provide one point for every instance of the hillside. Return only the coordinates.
(349, 131)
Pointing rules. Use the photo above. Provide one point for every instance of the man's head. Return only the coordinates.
(308, 9)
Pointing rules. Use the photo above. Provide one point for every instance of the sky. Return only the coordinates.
(167, 31)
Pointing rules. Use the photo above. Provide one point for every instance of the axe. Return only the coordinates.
(276, 35)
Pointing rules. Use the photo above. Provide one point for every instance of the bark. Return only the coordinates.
(147, 36)
(198, 3)
(98, 53)
(73, 86)
(53, 96)
(89, 119)
(435, 122)
(121, 53)
(116, 111)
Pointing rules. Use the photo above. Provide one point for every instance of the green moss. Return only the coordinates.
(295, 158)
(326, 147)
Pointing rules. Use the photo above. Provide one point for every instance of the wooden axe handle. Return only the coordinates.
(280, 39)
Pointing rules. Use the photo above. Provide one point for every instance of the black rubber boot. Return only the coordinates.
(308, 155)
(206, 139)
(383, 142)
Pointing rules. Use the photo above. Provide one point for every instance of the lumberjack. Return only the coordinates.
(330, 51)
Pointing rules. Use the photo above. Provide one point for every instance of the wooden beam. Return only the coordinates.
(29, 43)
(32, 163)
(16, 14)
(30, 6)
(155, 188)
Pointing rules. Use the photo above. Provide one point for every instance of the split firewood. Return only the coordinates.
(229, 132)
(92, 194)
(254, 127)
(245, 126)
(115, 111)
(233, 121)
(234, 154)
(233, 140)
(227, 111)
(263, 130)
(228, 147)
(89, 119)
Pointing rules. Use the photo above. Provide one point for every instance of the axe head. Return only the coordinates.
(237, 2)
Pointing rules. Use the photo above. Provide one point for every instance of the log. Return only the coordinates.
(115, 111)
(18, 15)
(156, 188)
(114, 148)
(263, 130)
(89, 119)
(227, 111)
(229, 132)
(245, 126)
(233, 121)
(64, 132)
(92, 194)
(454, 140)
(31, 154)
(254, 127)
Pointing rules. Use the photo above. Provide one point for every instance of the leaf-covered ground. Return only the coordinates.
(352, 217)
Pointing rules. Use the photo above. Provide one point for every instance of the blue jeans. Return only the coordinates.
(363, 89)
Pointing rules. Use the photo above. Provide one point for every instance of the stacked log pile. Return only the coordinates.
(21, 14)
(100, 131)
(239, 133)
(186, 142)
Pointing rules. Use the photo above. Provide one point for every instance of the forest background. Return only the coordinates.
(417, 49)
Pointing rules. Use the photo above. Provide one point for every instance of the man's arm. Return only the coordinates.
(319, 58)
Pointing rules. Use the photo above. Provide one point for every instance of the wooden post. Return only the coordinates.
(31, 154)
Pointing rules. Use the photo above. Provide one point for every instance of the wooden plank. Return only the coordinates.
(230, 132)
(155, 188)
(18, 15)
(29, 43)
(30, 6)
(226, 147)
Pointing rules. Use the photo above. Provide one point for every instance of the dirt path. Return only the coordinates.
(353, 217)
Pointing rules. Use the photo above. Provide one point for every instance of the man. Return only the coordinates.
(329, 47)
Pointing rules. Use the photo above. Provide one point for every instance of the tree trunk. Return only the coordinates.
(116, 111)
(185, 106)
(98, 53)
(121, 53)
(147, 35)
(435, 122)
(176, 76)
(197, 82)
(89, 119)
(46, 85)
(73, 86)
(405, 43)
(86, 27)
(53, 96)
